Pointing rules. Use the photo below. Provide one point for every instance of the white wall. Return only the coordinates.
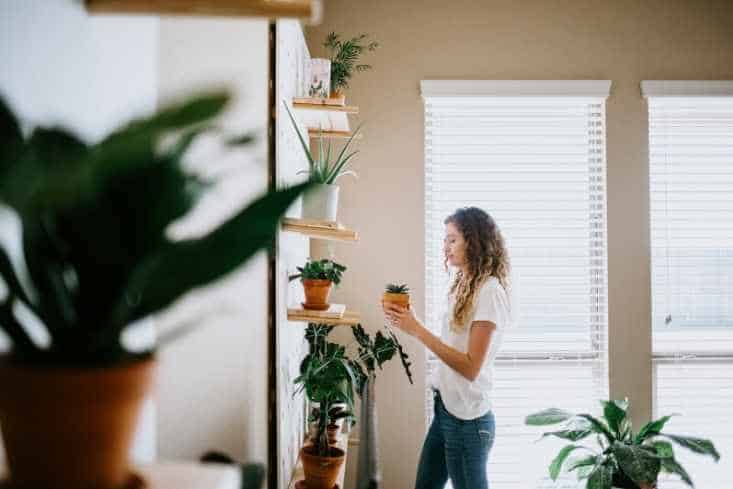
(212, 392)
(62, 67)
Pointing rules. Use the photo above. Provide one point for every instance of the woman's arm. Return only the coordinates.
(466, 364)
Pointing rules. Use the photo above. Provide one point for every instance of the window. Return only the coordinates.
(532, 154)
(691, 205)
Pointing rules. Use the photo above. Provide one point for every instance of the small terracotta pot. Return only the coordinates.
(401, 299)
(321, 472)
(316, 293)
(70, 428)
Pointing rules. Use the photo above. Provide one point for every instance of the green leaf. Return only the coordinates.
(303, 143)
(671, 466)
(581, 462)
(598, 426)
(11, 279)
(572, 435)
(547, 417)
(650, 429)
(663, 449)
(159, 281)
(697, 445)
(556, 464)
(615, 413)
(638, 464)
(600, 477)
(11, 139)
(23, 345)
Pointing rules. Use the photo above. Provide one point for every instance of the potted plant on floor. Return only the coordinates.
(344, 57)
(324, 169)
(318, 276)
(327, 377)
(621, 459)
(94, 220)
(397, 294)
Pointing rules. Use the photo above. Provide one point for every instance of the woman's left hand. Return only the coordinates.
(401, 317)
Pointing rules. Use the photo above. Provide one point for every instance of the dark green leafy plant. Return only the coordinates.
(398, 288)
(344, 57)
(94, 221)
(321, 270)
(623, 459)
(374, 353)
(328, 378)
(324, 168)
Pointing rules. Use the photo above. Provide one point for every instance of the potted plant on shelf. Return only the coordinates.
(318, 277)
(327, 377)
(324, 169)
(397, 294)
(344, 57)
(94, 220)
(621, 458)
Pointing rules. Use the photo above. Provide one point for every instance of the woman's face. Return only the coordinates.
(454, 246)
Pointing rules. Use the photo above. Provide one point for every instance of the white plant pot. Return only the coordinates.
(321, 203)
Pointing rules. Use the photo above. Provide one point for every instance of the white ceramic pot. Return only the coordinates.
(321, 203)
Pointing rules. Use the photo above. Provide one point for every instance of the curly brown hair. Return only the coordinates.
(487, 256)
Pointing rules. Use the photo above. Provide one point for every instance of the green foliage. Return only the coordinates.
(321, 270)
(397, 288)
(622, 459)
(344, 57)
(325, 167)
(94, 220)
(374, 353)
(327, 376)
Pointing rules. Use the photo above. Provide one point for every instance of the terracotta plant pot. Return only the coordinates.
(321, 472)
(316, 294)
(401, 299)
(70, 428)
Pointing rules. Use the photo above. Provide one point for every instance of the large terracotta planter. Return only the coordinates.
(70, 428)
(321, 472)
(316, 294)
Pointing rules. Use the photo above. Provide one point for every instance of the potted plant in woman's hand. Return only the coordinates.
(94, 237)
(621, 459)
(317, 278)
(324, 169)
(328, 378)
(397, 294)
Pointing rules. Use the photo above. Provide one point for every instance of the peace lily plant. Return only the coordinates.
(621, 458)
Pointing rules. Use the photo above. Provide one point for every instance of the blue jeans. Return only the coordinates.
(455, 448)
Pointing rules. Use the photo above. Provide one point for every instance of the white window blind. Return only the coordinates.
(537, 164)
(691, 204)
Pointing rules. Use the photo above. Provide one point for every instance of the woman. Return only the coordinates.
(462, 433)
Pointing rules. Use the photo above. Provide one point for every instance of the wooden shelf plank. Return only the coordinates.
(320, 101)
(350, 318)
(314, 133)
(319, 229)
(301, 9)
(332, 118)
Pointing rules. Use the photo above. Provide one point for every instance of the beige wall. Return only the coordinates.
(621, 40)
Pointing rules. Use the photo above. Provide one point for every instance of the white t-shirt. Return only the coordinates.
(463, 398)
